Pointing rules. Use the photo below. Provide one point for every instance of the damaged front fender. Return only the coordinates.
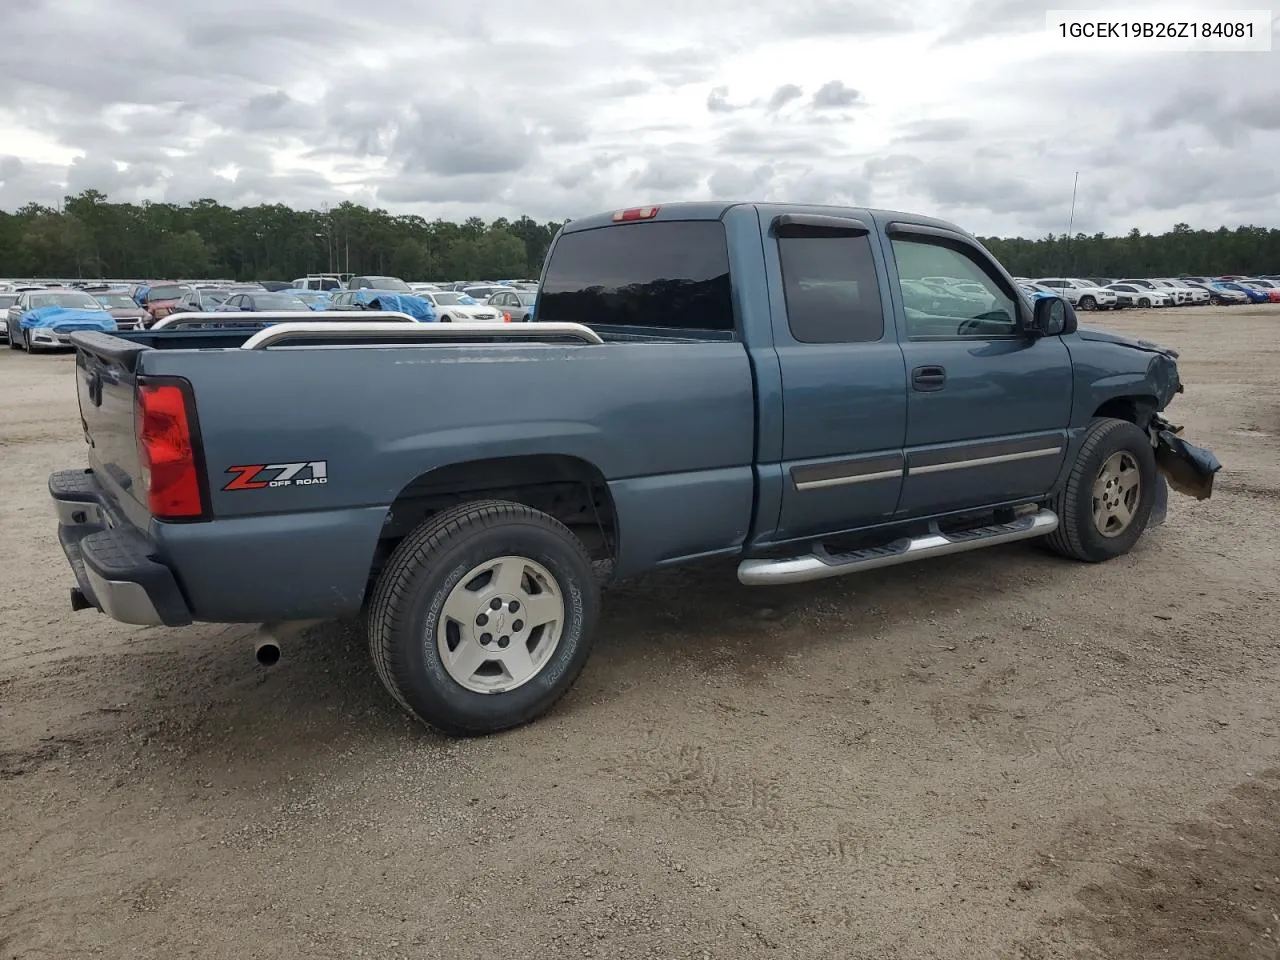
(1189, 469)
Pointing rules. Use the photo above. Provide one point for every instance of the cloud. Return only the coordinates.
(718, 101)
(784, 95)
(834, 93)
(500, 108)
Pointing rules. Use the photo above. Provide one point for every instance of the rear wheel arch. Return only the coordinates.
(570, 489)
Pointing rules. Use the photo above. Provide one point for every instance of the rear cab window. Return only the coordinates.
(663, 276)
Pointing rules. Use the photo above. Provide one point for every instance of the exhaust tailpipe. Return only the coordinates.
(267, 652)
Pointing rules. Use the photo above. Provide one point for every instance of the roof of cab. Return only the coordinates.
(714, 210)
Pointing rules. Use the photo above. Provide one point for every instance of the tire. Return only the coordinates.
(446, 319)
(1215, 301)
(1088, 303)
(438, 563)
(1144, 303)
(13, 343)
(26, 342)
(1078, 535)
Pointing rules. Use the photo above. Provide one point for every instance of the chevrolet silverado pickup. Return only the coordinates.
(762, 382)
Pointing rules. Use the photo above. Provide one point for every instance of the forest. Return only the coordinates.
(91, 237)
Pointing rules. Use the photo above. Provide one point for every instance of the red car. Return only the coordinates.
(128, 315)
(162, 297)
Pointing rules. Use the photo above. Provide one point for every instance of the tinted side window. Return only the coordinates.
(941, 308)
(831, 289)
(673, 275)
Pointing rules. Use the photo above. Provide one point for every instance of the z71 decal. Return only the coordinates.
(258, 476)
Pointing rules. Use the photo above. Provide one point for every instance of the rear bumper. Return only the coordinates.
(114, 562)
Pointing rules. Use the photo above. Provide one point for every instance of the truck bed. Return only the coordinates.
(668, 426)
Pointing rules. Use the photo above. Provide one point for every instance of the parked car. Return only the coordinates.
(482, 292)
(1269, 287)
(393, 284)
(258, 302)
(82, 312)
(452, 306)
(315, 299)
(1183, 293)
(202, 300)
(469, 499)
(1130, 295)
(319, 281)
(1219, 296)
(1081, 294)
(127, 314)
(7, 300)
(159, 299)
(513, 303)
(1253, 294)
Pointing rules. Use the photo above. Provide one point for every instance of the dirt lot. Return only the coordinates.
(993, 755)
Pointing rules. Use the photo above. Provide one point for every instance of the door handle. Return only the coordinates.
(928, 378)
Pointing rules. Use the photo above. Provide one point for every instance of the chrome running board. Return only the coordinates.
(820, 563)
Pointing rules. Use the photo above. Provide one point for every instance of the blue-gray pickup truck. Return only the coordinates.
(767, 382)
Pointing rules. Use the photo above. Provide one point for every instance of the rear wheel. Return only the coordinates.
(1104, 506)
(483, 617)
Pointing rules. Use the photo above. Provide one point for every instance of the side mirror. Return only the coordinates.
(1053, 316)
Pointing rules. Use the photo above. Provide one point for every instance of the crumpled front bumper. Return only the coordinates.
(1188, 468)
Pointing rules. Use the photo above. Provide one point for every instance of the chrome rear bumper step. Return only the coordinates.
(821, 563)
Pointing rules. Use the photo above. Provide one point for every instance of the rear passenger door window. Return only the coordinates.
(941, 307)
(831, 289)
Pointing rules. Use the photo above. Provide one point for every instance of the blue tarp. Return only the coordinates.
(416, 307)
(65, 319)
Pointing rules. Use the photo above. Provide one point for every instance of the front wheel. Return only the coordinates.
(1144, 302)
(1088, 303)
(1104, 506)
(1215, 301)
(483, 617)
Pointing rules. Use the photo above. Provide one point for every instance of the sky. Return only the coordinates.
(961, 109)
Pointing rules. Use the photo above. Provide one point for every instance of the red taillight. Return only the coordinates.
(636, 213)
(166, 452)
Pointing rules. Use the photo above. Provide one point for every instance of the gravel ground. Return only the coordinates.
(1000, 754)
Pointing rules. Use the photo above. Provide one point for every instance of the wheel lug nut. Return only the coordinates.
(514, 606)
(503, 641)
(518, 626)
(485, 638)
(482, 620)
(495, 604)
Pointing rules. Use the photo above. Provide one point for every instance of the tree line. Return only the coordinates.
(91, 237)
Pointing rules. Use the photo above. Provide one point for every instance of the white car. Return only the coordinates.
(1081, 294)
(1131, 295)
(454, 306)
(1183, 295)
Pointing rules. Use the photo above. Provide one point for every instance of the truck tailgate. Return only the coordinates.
(106, 376)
